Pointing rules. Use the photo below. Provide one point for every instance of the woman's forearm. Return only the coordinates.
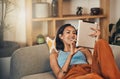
(65, 67)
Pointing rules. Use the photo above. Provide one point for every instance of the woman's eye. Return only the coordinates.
(68, 32)
(74, 33)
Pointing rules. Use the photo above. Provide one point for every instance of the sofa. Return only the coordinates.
(33, 62)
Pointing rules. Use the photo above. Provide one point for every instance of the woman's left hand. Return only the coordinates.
(96, 33)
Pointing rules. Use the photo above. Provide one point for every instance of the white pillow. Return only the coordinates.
(51, 43)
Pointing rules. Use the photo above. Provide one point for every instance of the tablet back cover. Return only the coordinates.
(83, 32)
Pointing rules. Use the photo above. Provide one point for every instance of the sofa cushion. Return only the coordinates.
(116, 53)
(46, 75)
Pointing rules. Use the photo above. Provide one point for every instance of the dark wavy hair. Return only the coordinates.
(59, 43)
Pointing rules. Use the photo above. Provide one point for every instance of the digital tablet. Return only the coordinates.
(83, 34)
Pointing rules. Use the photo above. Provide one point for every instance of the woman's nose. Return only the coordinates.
(73, 36)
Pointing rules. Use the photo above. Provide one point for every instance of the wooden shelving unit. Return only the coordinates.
(69, 17)
(104, 19)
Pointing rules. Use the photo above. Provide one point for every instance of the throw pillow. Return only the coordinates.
(51, 43)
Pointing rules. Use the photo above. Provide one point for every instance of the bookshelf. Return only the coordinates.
(52, 21)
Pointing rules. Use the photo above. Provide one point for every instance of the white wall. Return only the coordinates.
(21, 25)
(114, 11)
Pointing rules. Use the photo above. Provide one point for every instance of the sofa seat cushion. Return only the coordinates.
(46, 75)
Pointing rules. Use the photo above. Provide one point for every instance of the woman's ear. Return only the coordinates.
(60, 36)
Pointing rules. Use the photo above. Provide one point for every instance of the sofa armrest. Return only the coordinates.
(116, 53)
(29, 60)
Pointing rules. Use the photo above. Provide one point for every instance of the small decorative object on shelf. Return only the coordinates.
(54, 7)
(40, 39)
(95, 11)
(79, 11)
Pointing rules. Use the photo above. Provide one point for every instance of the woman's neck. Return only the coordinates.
(67, 48)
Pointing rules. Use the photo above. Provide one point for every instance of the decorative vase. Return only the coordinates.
(54, 7)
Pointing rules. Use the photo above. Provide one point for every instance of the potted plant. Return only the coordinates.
(6, 47)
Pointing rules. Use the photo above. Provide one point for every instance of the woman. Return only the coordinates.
(71, 62)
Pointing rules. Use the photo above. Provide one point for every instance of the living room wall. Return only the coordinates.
(114, 11)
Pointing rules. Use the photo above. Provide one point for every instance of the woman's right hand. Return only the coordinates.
(73, 48)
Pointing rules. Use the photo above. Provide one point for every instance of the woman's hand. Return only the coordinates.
(73, 48)
(96, 33)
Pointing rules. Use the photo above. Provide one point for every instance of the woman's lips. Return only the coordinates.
(73, 40)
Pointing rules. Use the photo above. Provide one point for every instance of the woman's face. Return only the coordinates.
(69, 34)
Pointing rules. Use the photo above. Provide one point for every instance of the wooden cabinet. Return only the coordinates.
(52, 21)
